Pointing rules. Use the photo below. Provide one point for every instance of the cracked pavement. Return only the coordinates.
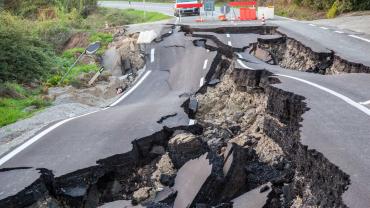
(334, 125)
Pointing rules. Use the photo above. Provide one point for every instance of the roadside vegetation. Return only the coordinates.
(301, 9)
(33, 51)
(313, 9)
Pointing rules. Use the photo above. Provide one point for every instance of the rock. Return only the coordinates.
(165, 195)
(158, 150)
(119, 204)
(213, 82)
(253, 198)
(237, 116)
(141, 194)
(233, 169)
(82, 80)
(190, 179)
(167, 180)
(235, 129)
(264, 188)
(184, 147)
(165, 172)
(30, 109)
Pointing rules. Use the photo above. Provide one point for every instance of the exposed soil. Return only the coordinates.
(292, 54)
(246, 138)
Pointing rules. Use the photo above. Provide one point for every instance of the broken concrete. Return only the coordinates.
(290, 53)
(190, 179)
(183, 147)
(245, 146)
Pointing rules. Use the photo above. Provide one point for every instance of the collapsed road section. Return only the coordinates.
(244, 151)
(277, 48)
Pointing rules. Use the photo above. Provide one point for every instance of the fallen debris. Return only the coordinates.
(163, 118)
(245, 150)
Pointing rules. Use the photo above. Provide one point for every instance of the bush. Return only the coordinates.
(30, 8)
(23, 56)
(103, 38)
(71, 53)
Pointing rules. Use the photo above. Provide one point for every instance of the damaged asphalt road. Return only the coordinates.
(269, 138)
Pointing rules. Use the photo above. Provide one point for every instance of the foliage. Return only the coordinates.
(30, 8)
(103, 38)
(77, 70)
(12, 108)
(71, 53)
(23, 56)
(314, 9)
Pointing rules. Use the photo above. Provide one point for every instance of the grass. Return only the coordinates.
(55, 32)
(12, 109)
(297, 12)
(119, 17)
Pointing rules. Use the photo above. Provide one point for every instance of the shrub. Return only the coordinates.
(103, 38)
(23, 56)
(71, 53)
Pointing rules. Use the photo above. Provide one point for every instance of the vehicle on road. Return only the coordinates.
(186, 11)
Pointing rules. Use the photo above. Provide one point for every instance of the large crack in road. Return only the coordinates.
(245, 144)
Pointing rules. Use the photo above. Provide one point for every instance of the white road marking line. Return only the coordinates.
(229, 43)
(289, 19)
(152, 55)
(37, 137)
(365, 103)
(205, 64)
(324, 28)
(340, 32)
(340, 96)
(191, 122)
(241, 63)
(228, 35)
(46, 131)
(360, 38)
(131, 89)
(201, 82)
(312, 25)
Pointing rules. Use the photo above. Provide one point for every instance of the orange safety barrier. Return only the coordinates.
(198, 5)
(222, 18)
(242, 3)
(248, 14)
(247, 9)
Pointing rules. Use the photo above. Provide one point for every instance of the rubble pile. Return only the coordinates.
(122, 63)
(290, 53)
(243, 151)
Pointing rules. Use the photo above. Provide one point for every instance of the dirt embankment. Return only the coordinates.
(246, 143)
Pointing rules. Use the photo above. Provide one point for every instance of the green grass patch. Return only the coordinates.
(12, 109)
(119, 17)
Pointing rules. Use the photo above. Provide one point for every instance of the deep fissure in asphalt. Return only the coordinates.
(289, 53)
(246, 138)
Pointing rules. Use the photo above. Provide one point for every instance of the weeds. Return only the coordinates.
(14, 101)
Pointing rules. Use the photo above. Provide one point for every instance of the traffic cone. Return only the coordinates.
(263, 19)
